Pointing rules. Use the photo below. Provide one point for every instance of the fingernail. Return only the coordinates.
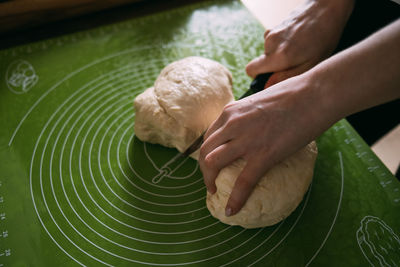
(211, 189)
(214, 190)
(228, 211)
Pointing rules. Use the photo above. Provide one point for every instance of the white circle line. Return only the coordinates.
(122, 171)
(287, 234)
(92, 176)
(262, 243)
(168, 163)
(62, 212)
(337, 209)
(143, 180)
(112, 172)
(31, 185)
(68, 76)
(82, 127)
(117, 255)
(124, 174)
(82, 176)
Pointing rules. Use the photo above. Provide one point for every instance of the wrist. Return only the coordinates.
(320, 89)
(338, 10)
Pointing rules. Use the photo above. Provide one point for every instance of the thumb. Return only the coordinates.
(261, 64)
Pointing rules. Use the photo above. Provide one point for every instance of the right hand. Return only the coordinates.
(262, 129)
(308, 36)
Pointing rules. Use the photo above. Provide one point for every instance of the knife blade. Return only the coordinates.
(256, 86)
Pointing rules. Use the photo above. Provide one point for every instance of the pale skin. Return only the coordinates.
(267, 127)
(308, 36)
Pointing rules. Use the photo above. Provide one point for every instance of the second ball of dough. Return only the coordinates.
(275, 196)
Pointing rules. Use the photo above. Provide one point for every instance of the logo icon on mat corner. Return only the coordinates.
(21, 76)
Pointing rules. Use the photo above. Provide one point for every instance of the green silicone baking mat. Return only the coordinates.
(78, 188)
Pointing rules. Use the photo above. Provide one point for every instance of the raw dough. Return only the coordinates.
(188, 95)
(276, 195)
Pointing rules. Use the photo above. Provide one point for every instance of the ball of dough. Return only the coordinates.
(276, 195)
(188, 95)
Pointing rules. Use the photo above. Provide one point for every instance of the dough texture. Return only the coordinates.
(276, 195)
(188, 95)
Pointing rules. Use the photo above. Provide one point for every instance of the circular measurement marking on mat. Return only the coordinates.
(105, 197)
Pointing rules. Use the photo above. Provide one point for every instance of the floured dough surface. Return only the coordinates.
(276, 195)
(188, 95)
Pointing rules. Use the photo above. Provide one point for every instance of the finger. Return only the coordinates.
(208, 177)
(244, 186)
(216, 139)
(220, 121)
(224, 129)
(286, 74)
(211, 143)
(272, 40)
(216, 160)
(214, 126)
(266, 33)
(261, 64)
(210, 171)
(266, 43)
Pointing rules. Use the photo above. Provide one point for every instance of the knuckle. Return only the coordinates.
(284, 49)
(285, 55)
(228, 108)
(273, 36)
(266, 33)
(271, 41)
(202, 154)
(233, 123)
(209, 162)
(228, 113)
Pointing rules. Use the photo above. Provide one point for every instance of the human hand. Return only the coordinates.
(308, 36)
(262, 129)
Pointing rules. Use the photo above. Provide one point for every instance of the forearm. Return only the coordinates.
(339, 10)
(360, 77)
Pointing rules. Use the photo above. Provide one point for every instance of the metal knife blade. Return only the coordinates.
(256, 86)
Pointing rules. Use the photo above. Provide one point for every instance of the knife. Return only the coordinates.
(256, 86)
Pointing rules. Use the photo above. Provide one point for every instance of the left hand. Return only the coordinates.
(309, 35)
